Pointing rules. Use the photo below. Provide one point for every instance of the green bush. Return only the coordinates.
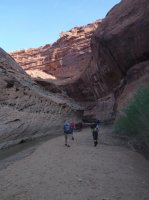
(134, 122)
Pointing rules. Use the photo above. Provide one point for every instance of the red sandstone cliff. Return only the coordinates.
(119, 64)
(106, 75)
(60, 65)
(121, 52)
(65, 58)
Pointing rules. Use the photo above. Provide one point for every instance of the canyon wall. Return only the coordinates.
(101, 69)
(121, 52)
(27, 110)
(61, 66)
(65, 58)
(119, 64)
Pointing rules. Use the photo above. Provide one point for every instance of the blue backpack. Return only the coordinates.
(66, 127)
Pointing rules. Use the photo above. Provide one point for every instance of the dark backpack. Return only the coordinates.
(67, 126)
(94, 128)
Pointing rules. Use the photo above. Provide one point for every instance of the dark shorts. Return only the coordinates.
(67, 132)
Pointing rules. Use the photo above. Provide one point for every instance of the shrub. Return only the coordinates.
(134, 122)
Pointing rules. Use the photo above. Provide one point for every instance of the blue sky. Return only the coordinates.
(33, 23)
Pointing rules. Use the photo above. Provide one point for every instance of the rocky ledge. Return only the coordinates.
(65, 58)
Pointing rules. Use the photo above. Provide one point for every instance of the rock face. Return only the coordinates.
(27, 110)
(66, 58)
(104, 77)
(120, 61)
(120, 50)
(121, 41)
(65, 65)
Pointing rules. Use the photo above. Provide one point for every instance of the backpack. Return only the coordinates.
(72, 125)
(94, 127)
(67, 126)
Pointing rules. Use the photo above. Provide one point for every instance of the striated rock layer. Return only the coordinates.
(27, 110)
(65, 58)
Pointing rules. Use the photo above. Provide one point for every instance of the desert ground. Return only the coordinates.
(52, 171)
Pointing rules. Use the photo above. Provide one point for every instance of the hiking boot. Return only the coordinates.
(68, 145)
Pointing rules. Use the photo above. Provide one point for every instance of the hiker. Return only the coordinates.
(95, 130)
(67, 131)
(72, 125)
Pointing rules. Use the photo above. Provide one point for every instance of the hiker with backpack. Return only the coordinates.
(67, 131)
(95, 130)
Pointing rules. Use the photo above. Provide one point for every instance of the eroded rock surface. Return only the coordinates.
(104, 77)
(120, 50)
(65, 58)
(119, 64)
(27, 110)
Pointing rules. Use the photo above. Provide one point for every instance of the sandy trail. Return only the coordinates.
(81, 172)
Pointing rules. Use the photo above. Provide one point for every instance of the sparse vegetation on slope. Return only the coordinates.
(134, 122)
